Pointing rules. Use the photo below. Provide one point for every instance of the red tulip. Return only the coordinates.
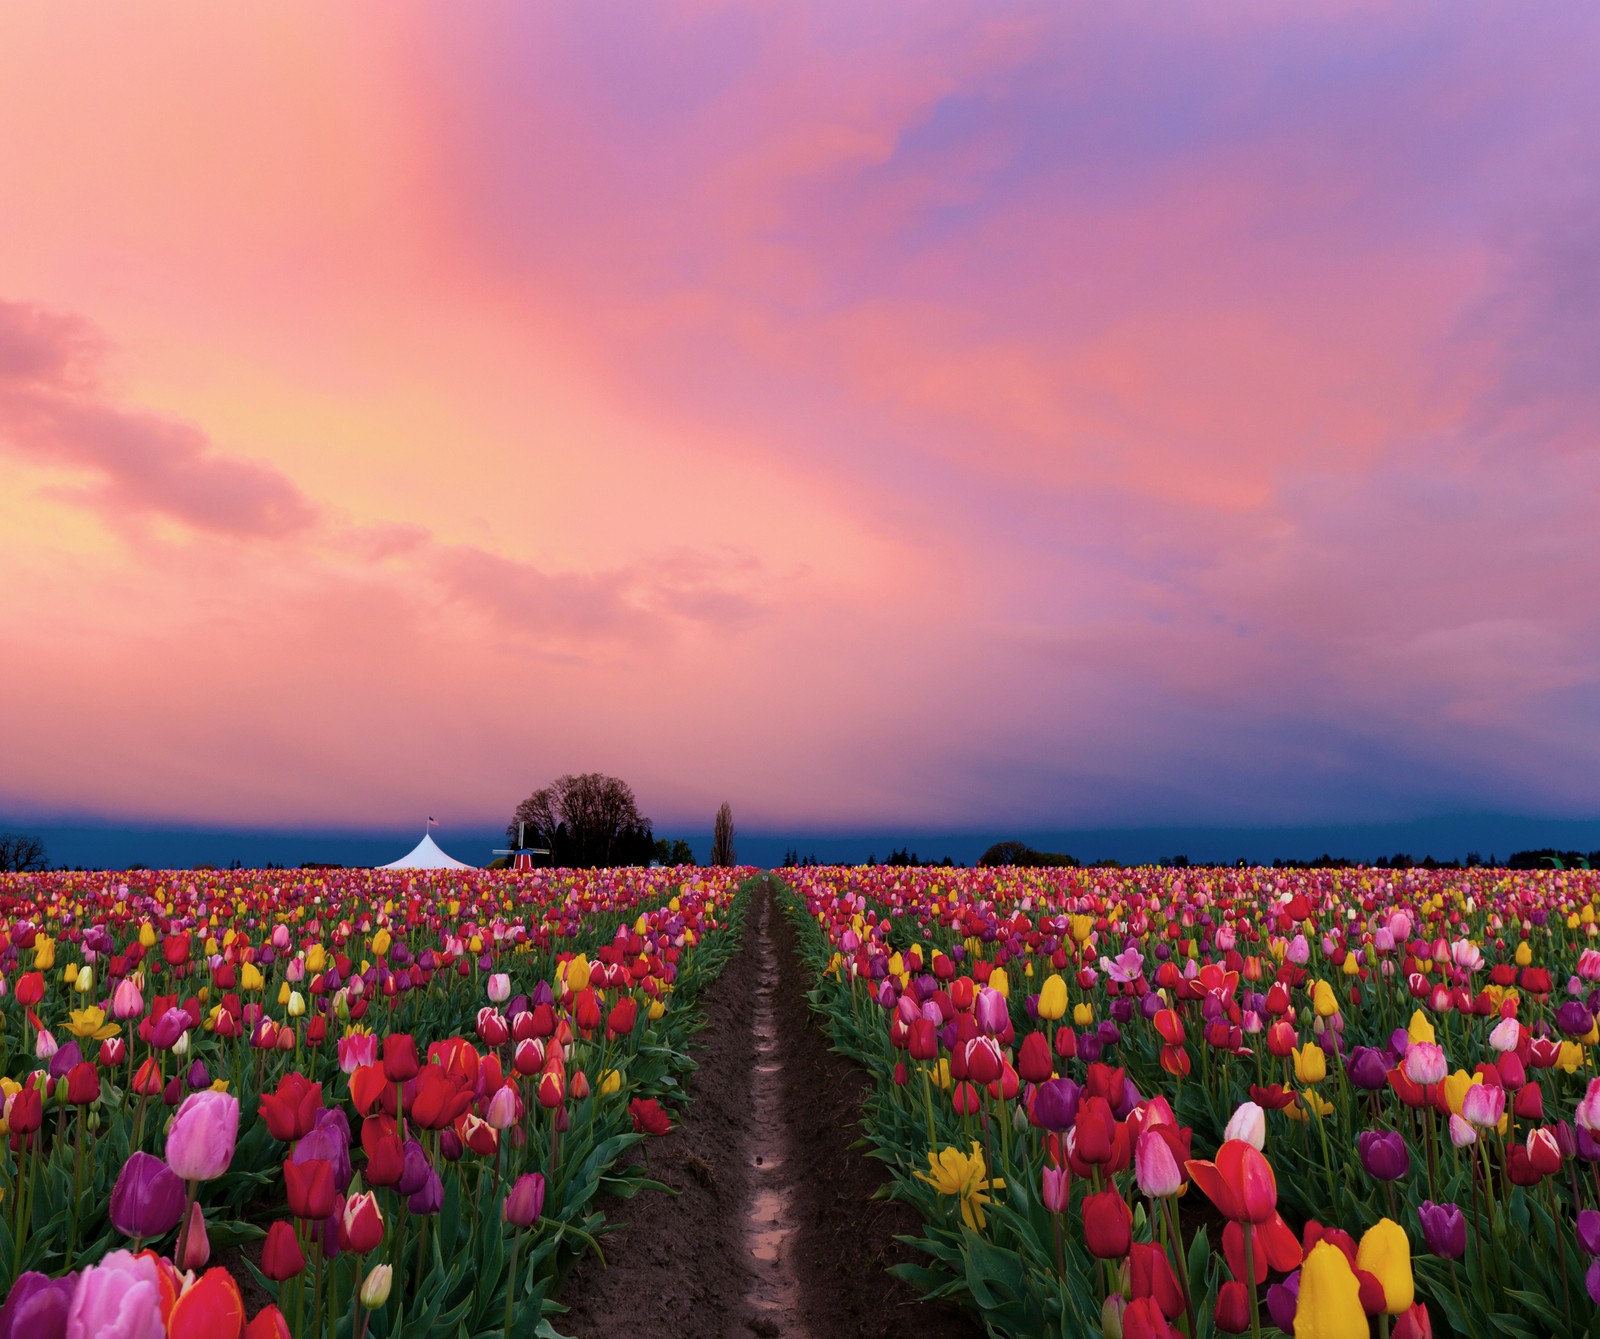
(311, 1188)
(1142, 1319)
(291, 1111)
(1034, 1063)
(648, 1117)
(620, 1021)
(281, 1256)
(1233, 1308)
(210, 1308)
(1240, 1182)
(1150, 1273)
(360, 1224)
(400, 1057)
(1107, 1225)
(267, 1324)
(83, 1084)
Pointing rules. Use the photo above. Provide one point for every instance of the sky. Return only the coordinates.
(1018, 417)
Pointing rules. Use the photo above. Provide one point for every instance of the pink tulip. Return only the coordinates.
(1484, 1104)
(119, 1298)
(200, 1142)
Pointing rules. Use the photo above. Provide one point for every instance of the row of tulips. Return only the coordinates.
(343, 1104)
(1375, 1091)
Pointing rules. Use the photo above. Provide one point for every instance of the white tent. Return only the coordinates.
(426, 855)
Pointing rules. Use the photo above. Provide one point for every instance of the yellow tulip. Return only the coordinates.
(1323, 999)
(90, 1024)
(657, 1008)
(576, 974)
(1330, 1297)
(297, 1004)
(610, 1082)
(1420, 1029)
(1385, 1253)
(316, 958)
(44, 953)
(952, 1172)
(381, 942)
(1524, 954)
(1569, 1057)
(1083, 1014)
(250, 977)
(1053, 998)
(1082, 928)
(1310, 1064)
(147, 935)
(998, 980)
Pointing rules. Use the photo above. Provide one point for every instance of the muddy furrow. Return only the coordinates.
(775, 1231)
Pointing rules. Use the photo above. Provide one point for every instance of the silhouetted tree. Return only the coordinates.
(676, 852)
(584, 822)
(1021, 854)
(22, 854)
(722, 837)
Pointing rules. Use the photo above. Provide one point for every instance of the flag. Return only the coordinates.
(433, 822)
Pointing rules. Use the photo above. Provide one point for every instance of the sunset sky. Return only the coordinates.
(1059, 415)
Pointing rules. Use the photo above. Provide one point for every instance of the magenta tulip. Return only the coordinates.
(200, 1142)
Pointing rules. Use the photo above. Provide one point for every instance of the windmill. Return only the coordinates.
(522, 855)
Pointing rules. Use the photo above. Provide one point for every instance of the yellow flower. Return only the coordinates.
(250, 977)
(1083, 1014)
(90, 1024)
(1318, 1105)
(1421, 1029)
(1323, 1000)
(610, 1082)
(1052, 998)
(1330, 1297)
(576, 973)
(44, 953)
(952, 1172)
(998, 980)
(1310, 1064)
(1082, 928)
(1569, 1057)
(1385, 1253)
(1524, 954)
(1455, 1089)
(657, 1008)
(316, 959)
(147, 935)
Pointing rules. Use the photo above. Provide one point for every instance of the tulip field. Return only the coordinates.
(370, 1103)
(1133, 1103)
(1151, 1102)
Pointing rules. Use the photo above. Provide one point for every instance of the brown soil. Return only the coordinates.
(676, 1264)
(685, 1265)
(846, 1239)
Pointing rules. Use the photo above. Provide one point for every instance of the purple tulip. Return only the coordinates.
(1591, 1281)
(200, 1142)
(1384, 1154)
(1282, 1300)
(147, 1200)
(414, 1170)
(1444, 1228)
(64, 1059)
(1368, 1070)
(1574, 1018)
(1055, 1104)
(119, 1298)
(36, 1307)
(526, 1201)
(330, 1144)
(430, 1198)
(1589, 1231)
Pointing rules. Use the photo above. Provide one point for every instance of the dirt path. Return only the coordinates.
(775, 1232)
(846, 1239)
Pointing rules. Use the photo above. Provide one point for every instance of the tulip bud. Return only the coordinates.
(194, 1246)
(1249, 1125)
(375, 1287)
